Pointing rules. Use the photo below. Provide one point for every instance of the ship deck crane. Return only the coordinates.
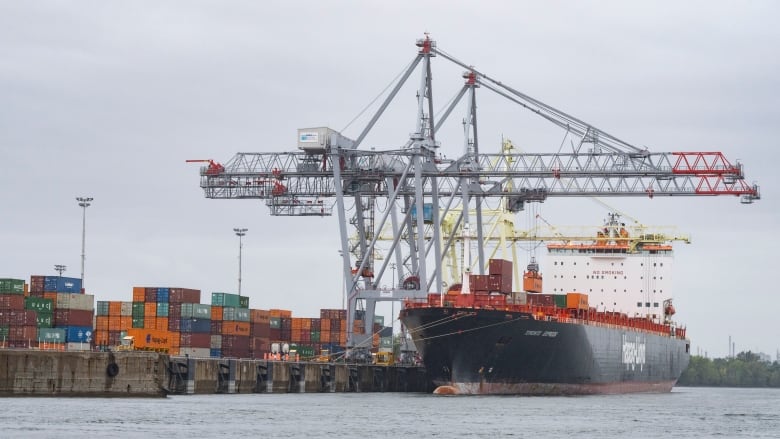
(416, 176)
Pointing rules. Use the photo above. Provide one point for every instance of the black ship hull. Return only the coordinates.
(484, 351)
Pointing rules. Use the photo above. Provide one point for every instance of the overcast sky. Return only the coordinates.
(108, 99)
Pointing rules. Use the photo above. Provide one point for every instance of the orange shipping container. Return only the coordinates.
(162, 323)
(114, 323)
(259, 315)
(139, 294)
(150, 309)
(125, 323)
(150, 339)
(325, 336)
(576, 301)
(297, 323)
(216, 313)
(280, 313)
(101, 337)
(175, 339)
(101, 323)
(150, 322)
(115, 308)
(325, 325)
(235, 328)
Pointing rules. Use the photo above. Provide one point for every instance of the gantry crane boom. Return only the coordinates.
(420, 186)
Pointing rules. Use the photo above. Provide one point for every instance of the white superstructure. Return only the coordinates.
(618, 272)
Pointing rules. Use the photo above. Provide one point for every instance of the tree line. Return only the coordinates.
(744, 370)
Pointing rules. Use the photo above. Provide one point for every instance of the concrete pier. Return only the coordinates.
(149, 374)
(46, 373)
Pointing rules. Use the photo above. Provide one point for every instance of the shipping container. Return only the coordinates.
(115, 308)
(139, 310)
(78, 346)
(60, 284)
(150, 339)
(150, 322)
(150, 294)
(577, 301)
(235, 328)
(184, 295)
(150, 309)
(75, 301)
(44, 320)
(78, 334)
(215, 342)
(161, 323)
(195, 311)
(139, 294)
(194, 352)
(12, 286)
(162, 309)
(275, 322)
(194, 340)
(500, 267)
(20, 317)
(560, 300)
(102, 308)
(216, 313)
(225, 299)
(37, 283)
(11, 302)
(196, 325)
(215, 353)
(126, 309)
(51, 335)
(72, 317)
(137, 323)
(243, 302)
(234, 314)
(163, 295)
(283, 313)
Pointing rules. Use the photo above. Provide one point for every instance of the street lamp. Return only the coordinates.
(84, 202)
(60, 268)
(240, 233)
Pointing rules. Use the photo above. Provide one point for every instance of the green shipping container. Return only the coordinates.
(44, 320)
(138, 311)
(195, 311)
(11, 286)
(275, 322)
(560, 300)
(162, 309)
(138, 322)
(51, 335)
(315, 336)
(4, 331)
(102, 308)
(39, 304)
(225, 299)
(243, 301)
(303, 351)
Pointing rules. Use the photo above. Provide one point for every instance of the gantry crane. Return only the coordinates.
(421, 187)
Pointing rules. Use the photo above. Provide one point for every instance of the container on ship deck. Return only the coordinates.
(150, 294)
(225, 299)
(260, 330)
(137, 322)
(126, 309)
(577, 301)
(78, 334)
(215, 353)
(84, 302)
(195, 352)
(139, 294)
(78, 346)
(102, 308)
(150, 309)
(194, 340)
(72, 317)
(115, 308)
(195, 310)
(243, 302)
(163, 295)
(139, 310)
(62, 284)
(18, 317)
(11, 302)
(216, 313)
(162, 309)
(37, 284)
(44, 320)
(12, 286)
(215, 342)
(235, 328)
(51, 335)
(259, 316)
(184, 295)
(500, 267)
(196, 325)
(235, 314)
(216, 327)
(22, 333)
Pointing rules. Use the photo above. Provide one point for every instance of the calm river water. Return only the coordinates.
(686, 412)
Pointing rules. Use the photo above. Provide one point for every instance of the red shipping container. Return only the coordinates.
(260, 330)
(174, 324)
(183, 295)
(235, 341)
(150, 294)
(72, 317)
(19, 318)
(23, 333)
(259, 315)
(216, 328)
(11, 302)
(36, 284)
(194, 340)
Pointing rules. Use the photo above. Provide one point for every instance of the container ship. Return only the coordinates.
(607, 328)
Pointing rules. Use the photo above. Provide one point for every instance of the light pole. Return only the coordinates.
(84, 202)
(240, 233)
(60, 268)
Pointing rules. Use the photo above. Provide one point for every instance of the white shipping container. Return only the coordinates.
(127, 309)
(319, 138)
(84, 302)
(216, 342)
(195, 352)
(75, 346)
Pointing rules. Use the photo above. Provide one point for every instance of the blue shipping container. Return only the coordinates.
(163, 295)
(78, 334)
(62, 284)
(215, 353)
(427, 213)
(199, 326)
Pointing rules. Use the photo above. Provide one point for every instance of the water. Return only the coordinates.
(686, 412)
